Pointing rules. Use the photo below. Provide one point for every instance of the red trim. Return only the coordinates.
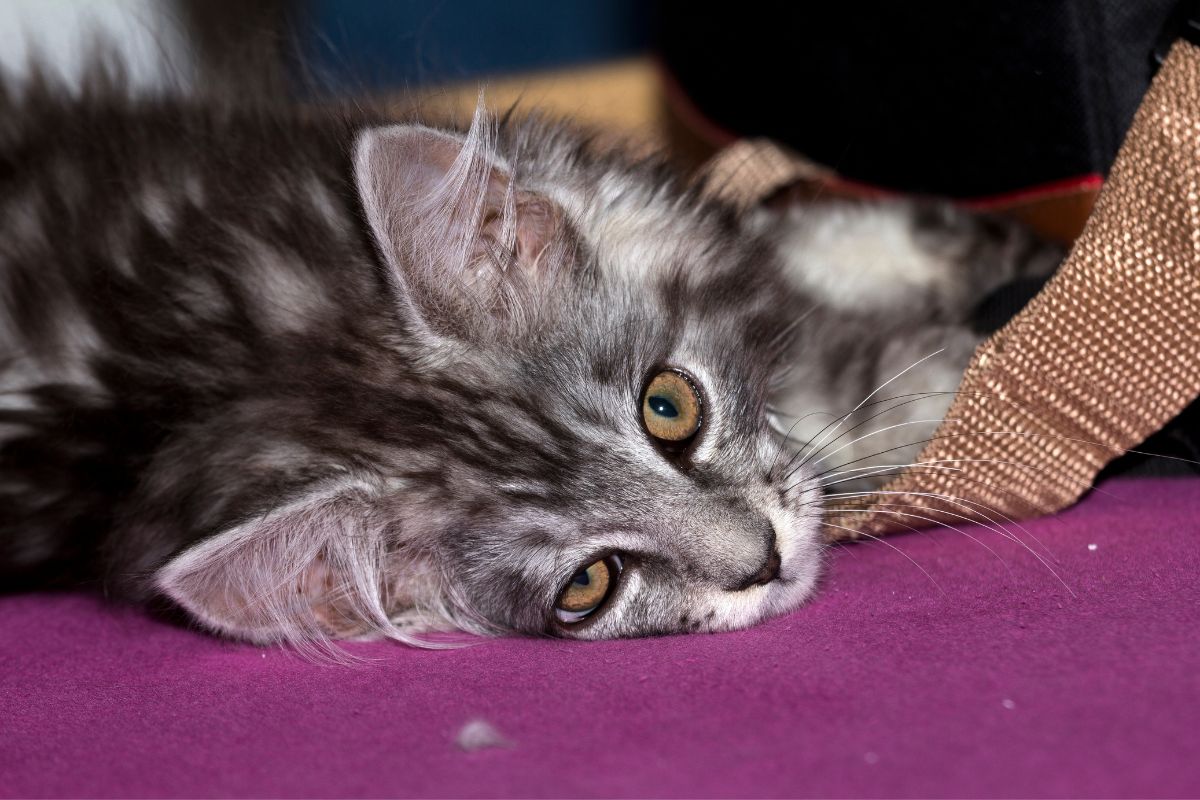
(1055, 188)
(691, 116)
(718, 136)
(1063, 186)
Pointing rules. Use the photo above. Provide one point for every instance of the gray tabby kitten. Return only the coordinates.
(325, 374)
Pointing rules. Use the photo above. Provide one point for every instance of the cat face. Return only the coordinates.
(639, 489)
(596, 352)
(636, 488)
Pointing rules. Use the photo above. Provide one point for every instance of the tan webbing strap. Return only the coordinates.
(1105, 355)
(751, 170)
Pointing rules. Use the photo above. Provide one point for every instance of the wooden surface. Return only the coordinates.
(622, 96)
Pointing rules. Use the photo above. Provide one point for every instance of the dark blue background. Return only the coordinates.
(384, 43)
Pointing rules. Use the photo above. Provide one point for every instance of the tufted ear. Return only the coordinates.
(302, 572)
(466, 248)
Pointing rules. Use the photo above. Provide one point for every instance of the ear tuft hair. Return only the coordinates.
(470, 252)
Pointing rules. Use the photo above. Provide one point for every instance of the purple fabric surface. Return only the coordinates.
(998, 683)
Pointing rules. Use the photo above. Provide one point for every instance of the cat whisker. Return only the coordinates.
(804, 452)
(782, 339)
(843, 546)
(894, 470)
(774, 412)
(879, 431)
(937, 464)
(915, 397)
(974, 506)
(871, 471)
(934, 522)
(924, 532)
(927, 393)
(1032, 434)
(783, 446)
(890, 380)
(884, 508)
(937, 585)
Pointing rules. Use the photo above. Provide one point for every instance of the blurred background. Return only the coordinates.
(584, 58)
(984, 102)
(589, 59)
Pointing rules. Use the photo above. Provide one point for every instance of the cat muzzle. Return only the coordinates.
(768, 572)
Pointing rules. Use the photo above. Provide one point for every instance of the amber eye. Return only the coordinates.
(588, 589)
(671, 407)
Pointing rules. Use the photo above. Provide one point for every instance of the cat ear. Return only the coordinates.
(466, 247)
(303, 572)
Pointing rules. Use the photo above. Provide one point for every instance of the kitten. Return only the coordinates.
(310, 374)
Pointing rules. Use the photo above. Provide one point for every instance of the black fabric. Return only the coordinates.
(1003, 304)
(1175, 450)
(951, 98)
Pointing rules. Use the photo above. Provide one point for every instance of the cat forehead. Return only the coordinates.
(637, 233)
(635, 217)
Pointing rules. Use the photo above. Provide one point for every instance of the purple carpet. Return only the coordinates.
(985, 676)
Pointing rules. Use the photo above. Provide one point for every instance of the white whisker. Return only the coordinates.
(1006, 517)
(803, 456)
(883, 508)
(881, 386)
(885, 429)
(897, 549)
(974, 506)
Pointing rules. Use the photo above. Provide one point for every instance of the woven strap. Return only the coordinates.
(1105, 355)
(751, 170)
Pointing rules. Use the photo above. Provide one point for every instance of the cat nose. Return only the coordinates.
(768, 572)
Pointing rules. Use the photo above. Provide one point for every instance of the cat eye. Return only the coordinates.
(671, 407)
(590, 586)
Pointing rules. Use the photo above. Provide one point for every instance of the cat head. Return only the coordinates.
(582, 448)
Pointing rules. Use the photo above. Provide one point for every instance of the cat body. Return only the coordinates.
(328, 374)
(320, 373)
